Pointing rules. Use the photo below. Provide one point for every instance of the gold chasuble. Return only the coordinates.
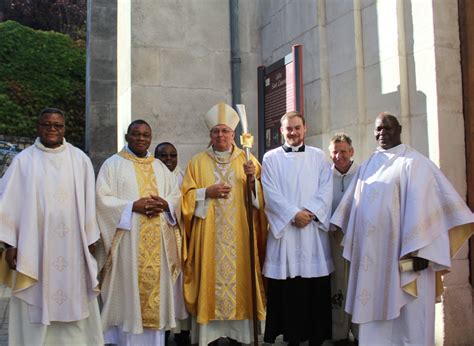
(217, 268)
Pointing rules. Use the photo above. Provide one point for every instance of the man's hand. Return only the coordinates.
(303, 218)
(249, 170)
(161, 203)
(218, 191)
(150, 206)
(419, 264)
(10, 256)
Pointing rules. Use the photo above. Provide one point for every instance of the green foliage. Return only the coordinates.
(65, 16)
(40, 69)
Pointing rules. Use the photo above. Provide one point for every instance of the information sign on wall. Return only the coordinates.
(280, 90)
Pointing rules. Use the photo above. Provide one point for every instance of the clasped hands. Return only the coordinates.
(303, 218)
(150, 206)
(222, 190)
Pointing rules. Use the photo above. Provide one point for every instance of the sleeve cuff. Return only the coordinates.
(126, 218)
(170, 215)
(202, 204)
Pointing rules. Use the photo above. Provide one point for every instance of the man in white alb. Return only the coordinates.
(297, 185)
(48, 224)
(167, 153)
(136, 199)
(402, 222)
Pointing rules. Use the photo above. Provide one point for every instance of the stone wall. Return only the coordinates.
(354, 66)
(181, 67)
(362, 57)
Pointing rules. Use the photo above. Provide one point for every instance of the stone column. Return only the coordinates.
(457, 299)
(101, 80)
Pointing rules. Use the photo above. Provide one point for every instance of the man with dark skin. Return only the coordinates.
(47, 192)
(166, 152)
(138, 138)
(388, 133)
(136, 199)
(402, 222)
(50, 129)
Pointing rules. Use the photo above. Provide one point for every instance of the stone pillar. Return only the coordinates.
(180, 68)
(457, 299)
(101, 80)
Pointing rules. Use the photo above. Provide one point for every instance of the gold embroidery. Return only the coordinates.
(366, 263)
(60, 263)
(149, 249)
(61, 230)
(59, 297)
(432, 219)
(172, 244)
(392, 249)
(226, 251)
(364, 297)
(61, 195)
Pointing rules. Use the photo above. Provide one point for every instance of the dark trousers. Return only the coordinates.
(300, 309)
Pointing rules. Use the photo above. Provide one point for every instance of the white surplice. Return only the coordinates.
(183, 321)
(401, 205)
(178, 172)
(117, 189)
(47, 211)
(292, 182)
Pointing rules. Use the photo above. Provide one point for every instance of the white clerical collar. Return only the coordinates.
(224, 153)
(131, 152)
(42, 147)
(293, 148)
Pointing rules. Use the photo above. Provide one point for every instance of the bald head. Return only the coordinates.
(387, 130)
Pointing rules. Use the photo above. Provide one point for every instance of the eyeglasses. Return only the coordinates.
(216, 132)
(169, 156)
(56, 126)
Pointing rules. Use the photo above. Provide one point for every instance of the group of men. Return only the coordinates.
(168, 250)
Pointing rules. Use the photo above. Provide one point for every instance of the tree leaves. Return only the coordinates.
(40, 69)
